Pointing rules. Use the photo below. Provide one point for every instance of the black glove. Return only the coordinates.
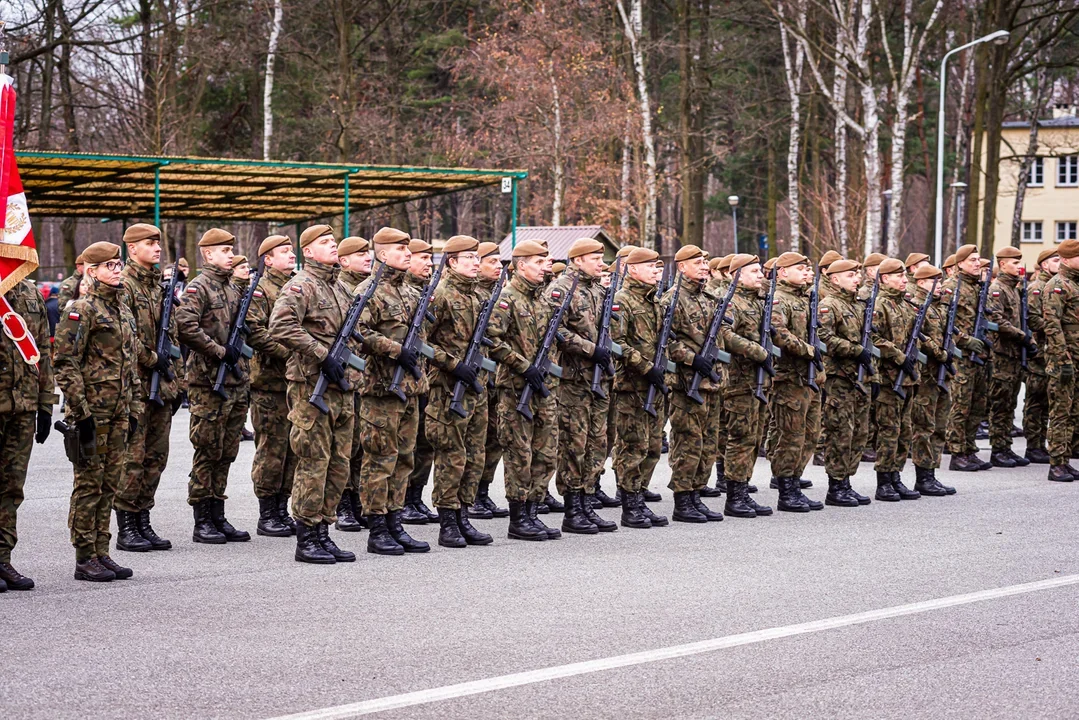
(949, 365)
(333, 369)
(87, 430)
(232, 356)
(132, 426)
(865, 358)
(769, 365)
(1030, 345)
(701, 365)
(44, 426)
(164, 367)
(408, 358)
(818, 360)
(655, 378)
(533, 377)
(601, 355)
(910, 367)
(875, 390)
(465, 373)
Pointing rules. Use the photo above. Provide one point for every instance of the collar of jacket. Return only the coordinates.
(353, 277)
(523, 286)
(321, 271)
(892, 292)
(242, 283)
(458, 281)
(920, 294)
(1009, 280)
(1070, 274)
(103, 291)
(751, 293)
(484, 284)
(276, 277)
(969, 279)
(791, 287)
(634, 285)
(221, 276)
(1045, 276)
(693, 287)
(582, 279)
(146, 276)
(415, 280)
(848, 295)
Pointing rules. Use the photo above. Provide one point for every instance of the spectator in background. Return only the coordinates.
(52, 307)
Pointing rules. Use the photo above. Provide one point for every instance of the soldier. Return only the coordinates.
(529, 446)
(148, 448)
(865, 423)
(69, 288)
(826, 287)
(912, 263)
(1036, 405)
(306, 318)
(415, 511)
(638, 436)
(203, 319)
(97, 371)
(949, 266)
(389, 425)
(241, 272)
(1060, 307)
(25, 413)
(274, 466)
(694, 427)
(717, 287)
(556, 269)
(457, 441)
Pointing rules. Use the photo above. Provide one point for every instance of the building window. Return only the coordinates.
(1037, 173)
(1032, 231)
(1066, 230)
(1068, 171)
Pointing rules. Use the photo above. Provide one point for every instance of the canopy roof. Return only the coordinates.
(120, 187)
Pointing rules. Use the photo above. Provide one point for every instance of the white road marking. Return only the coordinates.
(475, 687)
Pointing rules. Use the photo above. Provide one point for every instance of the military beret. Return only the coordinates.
(713, 264)
(841, 265)
(625, 250)
(949, 261)
(487, 248)
(927, 272)
(141, 231)
(873, 259)
(390, 236)
(238, 260)
(641, 255)
(889, 266)
(914, 259)
(769, 264)
(273, 242)
(415, 245)
(460, 243)
(558, 268)
(216, 236)
(1068, 249)
(689, 252)
(828, 258)
(964, 252)
(983, 262)
(1046, 254)
(724, 264)
(529, 248)
(79, 260)
(790, 259)
(314, 233)
(740, 260)
(1008, 252)
(584, 246)
(100, 252)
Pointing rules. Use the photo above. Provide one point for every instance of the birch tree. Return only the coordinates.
(634, 28)
(267, 92)
(793, 64)
(1041, 91)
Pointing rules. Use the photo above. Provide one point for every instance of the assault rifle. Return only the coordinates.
(659, 360)
(981, 322)
(604, 338)
(340, 350)
(1024, 317)
(815, 365)
(911, 350)
(238, 333)
(867, 338)
(412, 340)
(164, 347)
(766, 340)
(474, 354)
(948, 366)
(710, 350)
(542, 361)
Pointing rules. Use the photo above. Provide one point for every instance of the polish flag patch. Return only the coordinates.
(1058, 291)
(257, 293)
(192, 290)
(1036, 292)
(297, 289)
(502, 304)
(614, 308)
(556, 294)
(73, 316)
(996, 294)
(824, 311)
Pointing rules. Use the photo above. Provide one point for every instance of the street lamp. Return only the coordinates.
(997, 38)
(732, 200)
(958, 188)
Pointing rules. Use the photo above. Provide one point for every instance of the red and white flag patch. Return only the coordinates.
(556, 294)
(614, 308)
(297, 289)
(73, 316)
(502, 304)
(996, 293)
(1036, 292)
(1058, 291)
(192, 290)
(257, 293)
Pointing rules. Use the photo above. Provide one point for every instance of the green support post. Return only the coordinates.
(513, 214)
(157, 196)
(345, 231)
(299, 253)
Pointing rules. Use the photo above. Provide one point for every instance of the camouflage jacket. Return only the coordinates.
(384, 324)
(717, 286)
(141, 291)
(931, 342)
(69, 290)
(95, 354)
(637, 331)
(271, 356)
(1036, 321)
(484, 288)
(25, 387)
(580, 322)
(893, 319)
(688, 332)
(517, 327)
(966, 310)
(790, 321)
(743, 340)
(352, 281)
(1060, 308)
(1004, 307)
(203, 319)
(827, 289)
(307, 317)
(456, 306)
(841, 321)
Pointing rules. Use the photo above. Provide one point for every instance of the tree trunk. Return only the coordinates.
(627, 168)
(558, 171)
(793, 57)
(267, 93)
(994, 117)
(634, 32)
(871, 156)
(1040, 81)
(839, 95)
(45, 126)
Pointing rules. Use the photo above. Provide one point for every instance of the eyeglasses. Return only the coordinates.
(468, 256)
(114, 265)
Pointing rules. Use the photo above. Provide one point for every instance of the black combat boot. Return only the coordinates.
(773, 484)
(269, 525)
(737, 505)
(393, 524)
(869, 456)
(999, 458)
(1060, 473)
(650, 496)
(479, 509)
(521, 527)
(703, 509)
(128, 536)
(837, 494)
(14, 579)
(818, 460)
(632, 517)
(121, 572)
(799, 483)
(205, 531)
(982, 464)
(926, 484)
(948, 489)
(685, 510)
(885, 490)
(421, 506)
(574, 520)
(93, 571)
(346, 515)
(803, 483)
(533, 516)
(471, 535)
(410, 514)
(449, 535)
(379, 541)
(498, 512)
(147, 531)
(790, 497)
(357, 508)
(862, 499)
(552, 503)
(282, 512)
(1019, 460)
(330, 546)
(656, 520)
(217, 514)
(721, 483)
(1038, 456)
(761, 510)
(905, 493)
(964, 463)
(752, 489)
(605, 499)
(600, 523)
(308, 547)
(3, 586)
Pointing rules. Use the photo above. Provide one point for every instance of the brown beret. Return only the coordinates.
(584, 246)
(1068, 249)
(625, 250)
(914, 258)
(313, 233)
(238, 260)
(689, 252)
(529, 248)
(873, 259)
(984, 262)
(841, 265)
(487, 248)
(641, 255)
(790, 259)
(927, 272)
(828, 258)
(725, 262)
(79, 260)
(558, 268)
(1008, 252)
(1046, 254)
(272, 242)
(141, 231)
(889, 266)
(964, 252)
(415, 245)
(100, 252)
(769, 264)
(949, 261)
(740, 260)
(460, 243)
(713, 264)
(352, 245)
(216, 236)
(390, 236)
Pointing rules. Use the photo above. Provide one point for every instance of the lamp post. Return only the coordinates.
(732, 200)
(997, 38)
(958, 188)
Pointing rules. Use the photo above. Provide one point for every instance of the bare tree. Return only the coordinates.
(634, 28)
(793, 64)
(267, 93)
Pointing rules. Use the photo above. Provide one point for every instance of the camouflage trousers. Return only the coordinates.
(694, 434)
(424, 456)
(582, 437)
(893, 429)
(745, 416)
(274, 467)
(388, 435)
(356, 462)
(323, 446)
(928, 421)
(492, 448)
(147, 456)
(216, 427)
(554, 384)
(796, 418)
(1063, 416)
(96, 480)
(724, 415)
(842, 453)
(969, 389)
(529, 447)
(1003, 398)
(638, 441)
(865, 420)
(16, 442)
(1036, 410)
(458, 446)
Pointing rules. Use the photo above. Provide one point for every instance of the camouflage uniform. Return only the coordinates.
(745, 413)
(25, 390)
(841, 318)
(148, 448)
(203, 319)
(1036, 404)
(424, 455)
(306, 319)
(97, 370)
(865, 419)
(492, 449)
(717, 288)
(69, 289)
(970, 386)
(1060, 307)
(795, 409)
(893, 319)
(352, 280)
(1007, 370)
(929, 411)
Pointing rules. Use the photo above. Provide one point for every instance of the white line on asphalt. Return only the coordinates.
(502, 682)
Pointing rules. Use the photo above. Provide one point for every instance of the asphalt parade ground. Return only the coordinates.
(962, 606)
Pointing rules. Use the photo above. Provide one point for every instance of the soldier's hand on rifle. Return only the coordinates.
(44, 426)
(655, 377)
(769, 366)
(865, 359)
(818, 360)
(232, 355)
(910, 366)
(1030, 345)
(333, 369)
(87, 430)
(407, 358)
(533, 377)
(978, 347)
(701, 365)
(601, 355)
(465, 373)
(163, 366)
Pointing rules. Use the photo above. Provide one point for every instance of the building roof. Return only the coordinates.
(1057, 122)
(558, 239)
